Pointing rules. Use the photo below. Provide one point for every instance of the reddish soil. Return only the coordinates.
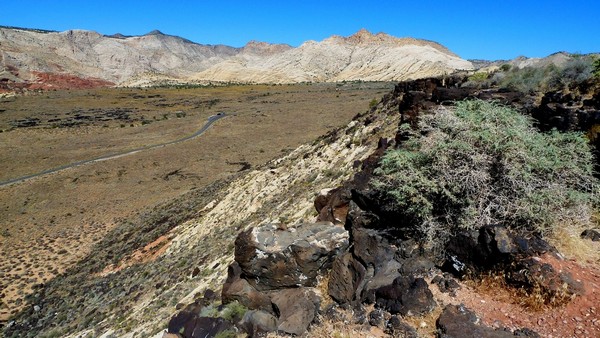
(147, 254)
(498, 307)
(54, 81)
(65, 81)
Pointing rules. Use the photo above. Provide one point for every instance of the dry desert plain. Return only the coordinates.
(49, 223)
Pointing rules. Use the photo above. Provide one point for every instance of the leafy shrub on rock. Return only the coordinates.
(482, 164)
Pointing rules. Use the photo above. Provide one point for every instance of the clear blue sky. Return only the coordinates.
(482, 29)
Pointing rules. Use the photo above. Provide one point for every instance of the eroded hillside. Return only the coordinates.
(79, 59)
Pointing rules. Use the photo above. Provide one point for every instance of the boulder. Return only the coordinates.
(456, 321)
(371, 248)
(399, 328)
(257, 322)
(346, 275)
(384, 276)
(296, 309)
(238, 289)
(407, 295)
(332, 205)
(207, 327)
(271, 258)
(534, 273)
(185, 319)
(591, 234)
(446, 283)
(377, 318)
(492, 246)
(188, 325)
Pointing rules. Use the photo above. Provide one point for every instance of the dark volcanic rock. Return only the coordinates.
(406, 296)
(271, 258)
(296, 309)
(207, 327)
(591, 234)
(377, 318)
(384, 276)
(238, 289)
(456, 321)
(399, 328)
(490, 247)
(371, 248)
(445, 283)
(189, 325)
(332, 205)
(347, 274)
(257, 322)
(531, 272)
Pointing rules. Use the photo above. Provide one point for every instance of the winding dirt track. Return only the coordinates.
(211, 119)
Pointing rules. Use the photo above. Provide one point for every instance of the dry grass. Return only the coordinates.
(567, 240)
(425, 325)
(534, 299)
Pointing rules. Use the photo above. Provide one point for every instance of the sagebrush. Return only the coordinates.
(482, 163)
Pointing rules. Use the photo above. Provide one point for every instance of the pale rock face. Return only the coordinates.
(156, 56)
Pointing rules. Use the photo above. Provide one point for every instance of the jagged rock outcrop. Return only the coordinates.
(273, 258)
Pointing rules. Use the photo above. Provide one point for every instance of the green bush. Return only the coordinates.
(482, 164)
(233, 311)
(596, 67)
(574, 71)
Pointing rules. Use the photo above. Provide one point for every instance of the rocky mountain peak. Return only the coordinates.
(265, 48)
(155, 32)
(363, 36)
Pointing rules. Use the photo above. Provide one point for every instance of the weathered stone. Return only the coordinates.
(445, 95)
(399, 328)
(272, 258)
(371, 248)
(188, 324)
(445, 283)
(591, 234)
(257, 322)
(533, 273)
(207, 327)
(489, 247)
(525, 332)
(238, 289)
(332, 205)
(418, 265)
(456, 321)
(377, 318)
(406, 296)
(384, 276)
(296, 309)
(344, 279)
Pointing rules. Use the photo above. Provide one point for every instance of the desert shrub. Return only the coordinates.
(484, 163)
(575, 71)
(233, 311)
(596, 67)
(527, 79)
(479, 77)
(373, 103)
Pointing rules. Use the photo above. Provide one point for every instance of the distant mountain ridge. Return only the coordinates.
(155, 56)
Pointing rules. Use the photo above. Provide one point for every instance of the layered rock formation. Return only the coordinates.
(27, 56)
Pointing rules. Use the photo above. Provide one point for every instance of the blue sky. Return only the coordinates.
(472, 29)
